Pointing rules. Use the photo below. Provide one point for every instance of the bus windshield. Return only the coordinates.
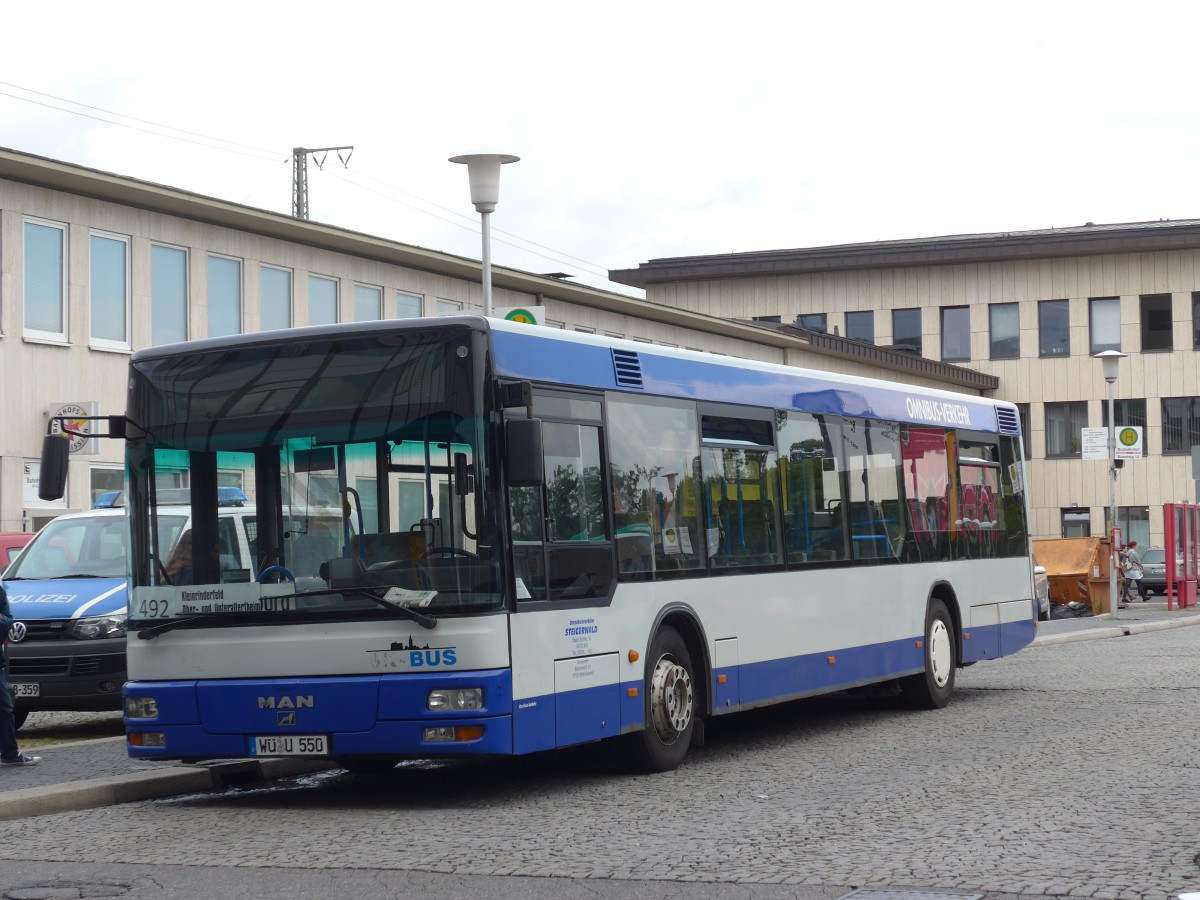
(346, 471)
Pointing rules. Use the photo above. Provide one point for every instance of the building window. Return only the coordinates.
(224, 296)
(275, 298)
(1126, 412)
(1196, 320)
(45, 280)
(448, 307)
(906, 329)
(1023, 413)
(368, 303)
(956, 333)
(1076, 522)
(322, 300)
(1104, 319)
(1004, 331)
(776, 319)
(860, 326)
(813, 322)
(1054, 331)
(408, 306)
(108, 291)
(1134, 522)
(1064, 426)
(1157, 327)
(168, 295)
(1180, 424)
(106, 480)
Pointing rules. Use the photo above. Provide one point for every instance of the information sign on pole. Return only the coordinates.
(1095, 443)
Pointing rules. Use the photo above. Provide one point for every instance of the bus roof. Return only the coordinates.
(584, 360)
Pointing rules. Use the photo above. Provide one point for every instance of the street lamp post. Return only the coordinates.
(483, 169)
(1110, 361)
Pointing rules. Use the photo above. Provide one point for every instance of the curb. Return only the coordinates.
(96, 792)
(1095, 634)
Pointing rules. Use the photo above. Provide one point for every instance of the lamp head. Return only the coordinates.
(483, 168)
(1110, 361)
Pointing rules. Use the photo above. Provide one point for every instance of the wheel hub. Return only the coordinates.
(940, 653)
(671, 699)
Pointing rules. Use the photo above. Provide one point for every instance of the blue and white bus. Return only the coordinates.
(545, 539)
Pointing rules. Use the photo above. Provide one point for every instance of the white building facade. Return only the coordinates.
(1030, 308)
(94, 266)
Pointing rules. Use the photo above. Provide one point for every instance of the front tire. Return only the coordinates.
(670, 706)
(933, 688)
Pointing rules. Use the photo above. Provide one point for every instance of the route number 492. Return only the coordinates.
(154, 609)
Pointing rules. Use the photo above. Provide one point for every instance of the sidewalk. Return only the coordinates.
(1136, 618)
(97, 772)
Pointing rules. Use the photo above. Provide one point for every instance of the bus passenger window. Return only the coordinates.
(811, 486)
(656, 493)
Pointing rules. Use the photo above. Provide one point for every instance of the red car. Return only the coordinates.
(10, 545)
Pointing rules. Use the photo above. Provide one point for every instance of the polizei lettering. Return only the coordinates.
(940, 411)
(300, 701)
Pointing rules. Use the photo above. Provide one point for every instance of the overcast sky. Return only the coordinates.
(645, 129)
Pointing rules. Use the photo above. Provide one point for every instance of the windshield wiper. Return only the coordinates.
(82, 575)
(421, 619)
(425, 621)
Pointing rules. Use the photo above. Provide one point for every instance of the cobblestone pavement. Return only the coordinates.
(1065, 770)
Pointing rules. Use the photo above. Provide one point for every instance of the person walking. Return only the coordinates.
(10, 753)
(1134, 570)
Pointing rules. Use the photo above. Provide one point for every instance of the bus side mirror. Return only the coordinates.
(52, 479)
(462, 475)
(523, 453)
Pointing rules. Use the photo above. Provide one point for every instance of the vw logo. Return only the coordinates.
(18, 632)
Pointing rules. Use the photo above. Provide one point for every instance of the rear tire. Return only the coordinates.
(670, 707)
(933, 688)
(20, 715)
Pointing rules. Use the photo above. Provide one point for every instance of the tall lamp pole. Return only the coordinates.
(483, 169)
(1111, 360)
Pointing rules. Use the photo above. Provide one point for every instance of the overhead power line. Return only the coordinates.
(157, 129)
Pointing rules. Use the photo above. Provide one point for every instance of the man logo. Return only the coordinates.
(285, 718)
(18, 632)
(300, 701)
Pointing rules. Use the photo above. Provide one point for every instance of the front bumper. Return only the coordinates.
(80, 676)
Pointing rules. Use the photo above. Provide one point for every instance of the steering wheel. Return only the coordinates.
(449, 551)
(275, 570)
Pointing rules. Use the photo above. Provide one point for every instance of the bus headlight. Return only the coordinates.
(455, 699)
(141, 708)
(99, 627)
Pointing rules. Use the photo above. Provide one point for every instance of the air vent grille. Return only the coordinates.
(1010, 422)
(628, 368)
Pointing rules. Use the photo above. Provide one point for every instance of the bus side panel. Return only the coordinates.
(1017, 627)
(726, 687)
(587, 702)
(776, 680)
(981, 640)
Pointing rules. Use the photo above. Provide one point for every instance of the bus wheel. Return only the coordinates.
(933, 688)
(671, 705)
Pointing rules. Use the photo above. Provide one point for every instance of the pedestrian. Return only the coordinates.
(1134, 570)
(10, 754)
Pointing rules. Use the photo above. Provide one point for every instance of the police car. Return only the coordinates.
(67, 591)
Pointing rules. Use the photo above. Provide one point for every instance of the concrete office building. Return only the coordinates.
(1030, 308)
(94, 266)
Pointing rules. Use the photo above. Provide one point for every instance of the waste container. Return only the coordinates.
(1078, 570)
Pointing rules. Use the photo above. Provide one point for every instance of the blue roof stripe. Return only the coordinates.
(530, 353)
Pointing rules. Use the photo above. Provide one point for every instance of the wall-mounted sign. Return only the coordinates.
(528, 315)
(76, 420)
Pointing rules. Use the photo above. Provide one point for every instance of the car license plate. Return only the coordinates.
(25, 689)
(290, 745)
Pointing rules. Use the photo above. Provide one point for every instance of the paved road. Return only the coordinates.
(1068, 770)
